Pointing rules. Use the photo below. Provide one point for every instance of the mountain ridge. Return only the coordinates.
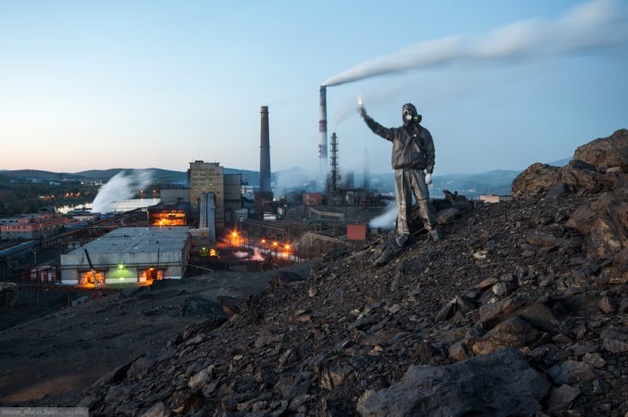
(496, 181)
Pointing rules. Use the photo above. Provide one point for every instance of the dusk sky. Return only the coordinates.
(89, 84)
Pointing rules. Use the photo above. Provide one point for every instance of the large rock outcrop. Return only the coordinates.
(595, 167)
(605, 153)
(537, 179)
(598, 168)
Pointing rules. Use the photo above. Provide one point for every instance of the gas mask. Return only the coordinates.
(409, 114)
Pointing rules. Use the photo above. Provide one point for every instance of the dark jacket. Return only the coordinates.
(412, 145)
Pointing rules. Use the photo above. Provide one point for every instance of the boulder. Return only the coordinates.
(500, 384)
(199, 306)
(513, 332)
(582, 176)
(596, 167)
(537, 179)
(283, 278)
(606, 152)
(604, 222)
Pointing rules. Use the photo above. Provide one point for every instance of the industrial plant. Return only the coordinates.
(210, 223)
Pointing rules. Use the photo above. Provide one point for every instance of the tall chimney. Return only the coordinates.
(333, 158)
(322, 126)
(264, 158)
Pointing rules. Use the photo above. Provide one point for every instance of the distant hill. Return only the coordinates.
(157, 174)
(560, 162)
(496, 182)
(34, 174)
(104, 175)
(471, 185)
(99, 174)
(160, 175)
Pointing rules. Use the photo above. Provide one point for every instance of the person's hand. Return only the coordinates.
(362, 111)
(428, 178)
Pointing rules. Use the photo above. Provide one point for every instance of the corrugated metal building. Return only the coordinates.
(129, 255)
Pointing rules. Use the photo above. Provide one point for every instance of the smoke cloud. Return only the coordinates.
(592, 26)
(291, 180)
(386, 220)
(122, 186)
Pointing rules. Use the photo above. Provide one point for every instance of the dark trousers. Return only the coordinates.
(407, 183)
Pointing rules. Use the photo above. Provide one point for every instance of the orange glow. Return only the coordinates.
(168, 218)
(235, 238)
(148, 276)
(88, 280)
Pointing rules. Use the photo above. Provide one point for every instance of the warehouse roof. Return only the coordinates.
(139, 240)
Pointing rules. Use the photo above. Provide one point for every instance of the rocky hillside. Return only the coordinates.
(519, 311)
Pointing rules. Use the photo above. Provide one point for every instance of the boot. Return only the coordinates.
(401, 240)
(436, 234)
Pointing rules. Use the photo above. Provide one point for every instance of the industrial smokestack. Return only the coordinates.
(322, 126)
(264, 159)
(334, 165)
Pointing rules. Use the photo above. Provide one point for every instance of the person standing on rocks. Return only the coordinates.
(413, 156)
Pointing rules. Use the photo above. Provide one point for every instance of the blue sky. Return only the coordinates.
(158, 84)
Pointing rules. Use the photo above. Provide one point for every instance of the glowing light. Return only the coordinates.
(120, 266)
(235, 238)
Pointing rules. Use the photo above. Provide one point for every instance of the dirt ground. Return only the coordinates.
(49, 351)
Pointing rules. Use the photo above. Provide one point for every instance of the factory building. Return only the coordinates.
(170, 214)
(31, 226)
(205, 177)
(233, 195)
(174, 195)
(209, 177)
(129, 255)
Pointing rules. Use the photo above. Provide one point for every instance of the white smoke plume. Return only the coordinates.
(386, 220)
(291, 180)
(594, 25)
(122, 186)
